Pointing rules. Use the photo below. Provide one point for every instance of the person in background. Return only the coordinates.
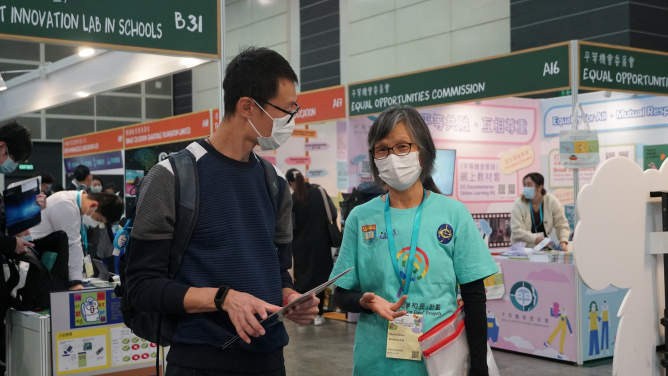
(96, 184)
(72, 212)
(110, 188)
(387, 229)
(15, 146)
(311, 247)
(536, 212)
(47, 180)
(82, 179)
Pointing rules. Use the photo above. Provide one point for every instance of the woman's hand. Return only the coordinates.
(539, 240)
(382, 307)
(564, 246)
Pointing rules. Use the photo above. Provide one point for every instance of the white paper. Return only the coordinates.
(542, 244)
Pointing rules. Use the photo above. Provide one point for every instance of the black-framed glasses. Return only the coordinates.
(292, 114)
(400, 150)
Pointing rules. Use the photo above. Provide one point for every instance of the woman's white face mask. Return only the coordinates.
(399, 172)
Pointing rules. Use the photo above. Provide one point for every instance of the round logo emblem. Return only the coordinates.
(445, 233)
(524, 296)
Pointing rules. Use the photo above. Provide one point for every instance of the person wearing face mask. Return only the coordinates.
(74, 212)
(47, 180)
(536, 212)
(15, 146)
(235, 269)
(82, 179)
(96, 184)
(432, 234)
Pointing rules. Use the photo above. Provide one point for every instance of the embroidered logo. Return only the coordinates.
(444, 234)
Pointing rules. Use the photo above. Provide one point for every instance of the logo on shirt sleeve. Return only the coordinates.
(369, 234)
(445, 233)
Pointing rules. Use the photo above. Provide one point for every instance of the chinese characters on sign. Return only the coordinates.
(481, 180)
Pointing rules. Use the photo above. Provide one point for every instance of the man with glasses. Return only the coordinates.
(235, 269)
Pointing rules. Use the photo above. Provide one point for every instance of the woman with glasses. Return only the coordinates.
(410, 249)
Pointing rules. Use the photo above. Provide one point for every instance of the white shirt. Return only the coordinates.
(62, 213)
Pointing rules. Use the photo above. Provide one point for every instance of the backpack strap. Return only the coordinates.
(271, 178)
(186, 185)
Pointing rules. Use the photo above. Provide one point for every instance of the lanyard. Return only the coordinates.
(535, 227)
(82, 230)
(404, 283)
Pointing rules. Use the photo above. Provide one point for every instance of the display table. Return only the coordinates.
(83, 335)
(546, 311)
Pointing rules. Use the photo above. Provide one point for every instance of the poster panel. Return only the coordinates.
(537, 314)
(599, 320)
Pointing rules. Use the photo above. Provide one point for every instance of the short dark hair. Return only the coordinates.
(255, 73)
(110, 186)
(109, 205)
(47, 177)
(18, 140)
(56, 187)
(95, 177)
(81, 172)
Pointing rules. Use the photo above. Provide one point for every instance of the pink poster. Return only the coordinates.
(495, 144)
(537, 314)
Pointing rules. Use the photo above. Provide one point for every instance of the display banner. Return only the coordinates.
(537, 315)
(533, 71)
(641, 112)
(321, 105)
(599, 320)
(562, 177)
(606, 67)
(93, 143)
(184, 28)
(95, 162)
(653, 156)
(177, 128)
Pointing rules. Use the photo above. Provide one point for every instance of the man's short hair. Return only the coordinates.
(18, 140)
(255, 73)
(47, 177)
(109, 205)
(81, 172)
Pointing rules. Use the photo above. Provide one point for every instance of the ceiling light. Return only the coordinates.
(190, 62)
(3, 85)
(265, 2)
(82, 94)
(85, 52)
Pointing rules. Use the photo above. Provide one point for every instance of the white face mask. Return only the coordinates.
(87, 220)
(399, 172)
(280, 132)
(96, 189)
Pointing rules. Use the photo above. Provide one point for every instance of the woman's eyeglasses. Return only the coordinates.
(398, 149)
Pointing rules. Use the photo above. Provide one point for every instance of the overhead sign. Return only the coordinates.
(527, 72)
(95, 162)
(322, 105)
(187, 28)
(178, 128)
(613, 68)
(93, 143)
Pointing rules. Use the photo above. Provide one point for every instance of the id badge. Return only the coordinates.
(402, 337)
(88, 264)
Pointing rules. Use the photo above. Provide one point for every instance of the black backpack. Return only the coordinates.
(153, 326)
(40, 281)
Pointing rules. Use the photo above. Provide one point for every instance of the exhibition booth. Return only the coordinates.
(489, 130)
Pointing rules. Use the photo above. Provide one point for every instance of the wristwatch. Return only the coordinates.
(220, 297)
(74, 283)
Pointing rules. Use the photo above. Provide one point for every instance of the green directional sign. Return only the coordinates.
(613, 68)
(526, 72)
(177, 27)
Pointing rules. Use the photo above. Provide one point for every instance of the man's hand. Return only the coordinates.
(41, 200)
(382, 307)
(21, 246)
(304, 312)
(241, 308)
(76, 287)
